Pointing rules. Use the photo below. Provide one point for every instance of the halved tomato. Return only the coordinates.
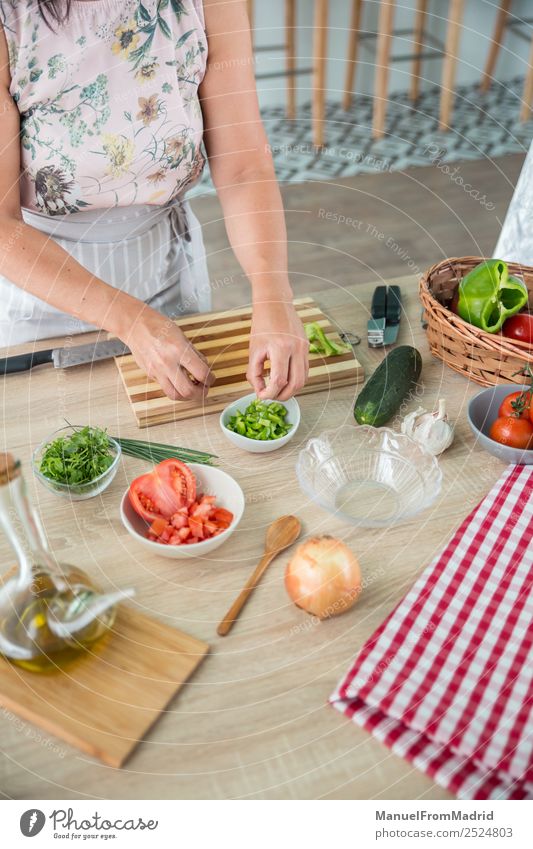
(170, 486)
(179, 477)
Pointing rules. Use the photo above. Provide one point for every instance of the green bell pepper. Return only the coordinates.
(321, 344)
(488, 295)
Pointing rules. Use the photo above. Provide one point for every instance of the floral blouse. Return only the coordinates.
(108, 101)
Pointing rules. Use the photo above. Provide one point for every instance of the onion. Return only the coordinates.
(323, 577)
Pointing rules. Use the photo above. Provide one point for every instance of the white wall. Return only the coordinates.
(475, 41)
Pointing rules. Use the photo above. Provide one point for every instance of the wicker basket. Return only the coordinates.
(486, 358)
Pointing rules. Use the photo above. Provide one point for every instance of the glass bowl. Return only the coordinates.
(367, 476)
(75, 492)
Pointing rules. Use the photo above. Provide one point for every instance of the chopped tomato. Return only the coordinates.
(196, 526)
(158, 526)
(180, 519)
(175, 539)
(223, 515)
(203, 508)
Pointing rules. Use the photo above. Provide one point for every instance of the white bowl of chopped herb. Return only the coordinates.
(77, 462)
(260, 426)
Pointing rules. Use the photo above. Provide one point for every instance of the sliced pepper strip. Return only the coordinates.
(488, 295)
(321, 344)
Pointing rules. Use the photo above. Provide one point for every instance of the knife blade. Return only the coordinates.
(65, 357)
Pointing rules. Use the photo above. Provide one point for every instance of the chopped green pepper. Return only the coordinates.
(261, 420)
(488, 295)
(320, 344)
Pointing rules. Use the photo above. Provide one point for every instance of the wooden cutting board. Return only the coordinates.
(107, 701)
(223, 337)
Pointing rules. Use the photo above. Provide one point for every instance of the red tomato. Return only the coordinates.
(161, 492)
(517, 404)
(179, 477)
(517, 433)
(196, 526)
(158, 526)
(203, 509)
(223, 515)
(519, 327)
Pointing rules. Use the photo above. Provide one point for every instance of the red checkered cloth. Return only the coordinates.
(447, 680)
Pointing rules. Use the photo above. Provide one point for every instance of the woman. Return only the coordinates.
(105, 106)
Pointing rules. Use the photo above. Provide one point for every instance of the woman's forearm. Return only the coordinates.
(255, 224)
(35, 263)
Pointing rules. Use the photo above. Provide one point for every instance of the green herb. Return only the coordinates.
(79, 458)
(261, 420)
(155, 452)
(321, 344)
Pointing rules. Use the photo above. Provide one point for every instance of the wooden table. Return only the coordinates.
(254, 721)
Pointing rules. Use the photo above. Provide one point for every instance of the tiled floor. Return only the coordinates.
(484, 127)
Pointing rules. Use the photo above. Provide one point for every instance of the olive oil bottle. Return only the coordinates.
(51, 615)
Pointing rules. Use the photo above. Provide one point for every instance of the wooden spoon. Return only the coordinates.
(280, 534)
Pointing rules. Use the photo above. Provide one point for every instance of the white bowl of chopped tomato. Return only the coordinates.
(182, 509)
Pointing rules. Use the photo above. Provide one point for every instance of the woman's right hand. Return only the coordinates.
(166, 355)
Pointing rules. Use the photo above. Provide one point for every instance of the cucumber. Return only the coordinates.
(383, 393)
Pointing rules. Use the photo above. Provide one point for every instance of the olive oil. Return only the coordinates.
(27, 624)
(51, 615)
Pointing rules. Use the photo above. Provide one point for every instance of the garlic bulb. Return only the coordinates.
(432, 430)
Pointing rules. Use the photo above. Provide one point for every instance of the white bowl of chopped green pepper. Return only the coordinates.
(77, 463)
(260, 426)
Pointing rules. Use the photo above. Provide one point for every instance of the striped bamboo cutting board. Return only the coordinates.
(223, 337)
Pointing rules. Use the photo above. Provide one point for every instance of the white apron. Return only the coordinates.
(515, 243)
(154, 253)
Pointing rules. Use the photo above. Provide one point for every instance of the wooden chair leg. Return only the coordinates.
(355, 26)
(418, 40)
(496, 43)
(527, 96)
(385, 24)
(455, 15)
(320, 59)
(290, 34)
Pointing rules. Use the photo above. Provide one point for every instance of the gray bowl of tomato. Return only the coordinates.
(501, 419)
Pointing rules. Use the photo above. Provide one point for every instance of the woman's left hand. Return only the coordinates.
(277, 335)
